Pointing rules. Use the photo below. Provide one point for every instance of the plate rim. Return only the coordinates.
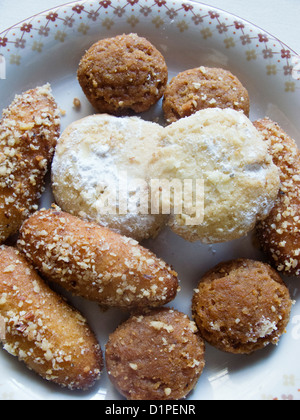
(198, 3)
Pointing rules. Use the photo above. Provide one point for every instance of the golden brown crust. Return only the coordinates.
(122, 74)
(203, 87)
(155, 356)
(93, 262)
(28, 133)
(279, 234)
(42, 330)
(241, 306)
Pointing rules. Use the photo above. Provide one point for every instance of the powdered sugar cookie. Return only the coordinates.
(224, 150)
(100, 172)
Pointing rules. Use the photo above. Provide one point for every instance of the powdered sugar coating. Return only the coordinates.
(241, 183)
(94, 158)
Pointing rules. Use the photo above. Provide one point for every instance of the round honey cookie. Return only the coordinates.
(204, 87)
(100, 173)
(123, 74)
(155, 356)
(241, 306)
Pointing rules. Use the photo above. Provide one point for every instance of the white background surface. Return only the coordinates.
(279, 17)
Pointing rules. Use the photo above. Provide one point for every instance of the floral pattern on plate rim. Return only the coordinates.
(54, 24)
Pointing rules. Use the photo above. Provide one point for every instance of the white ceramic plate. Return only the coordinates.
(48, 47)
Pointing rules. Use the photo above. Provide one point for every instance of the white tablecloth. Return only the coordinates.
(279, 17)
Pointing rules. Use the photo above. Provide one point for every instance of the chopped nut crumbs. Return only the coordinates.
(60, 246)
(76, 103)
(161, 325)
(133, 366)
(29, 130)
(168, 391)
(39, 328)
(279, 233)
